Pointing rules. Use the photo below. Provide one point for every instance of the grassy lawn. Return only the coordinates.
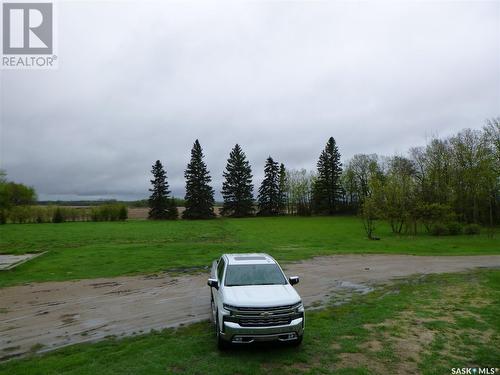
(421, 325)
(105, 249)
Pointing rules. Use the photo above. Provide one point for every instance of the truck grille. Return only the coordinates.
(264, 322)
(264, 316)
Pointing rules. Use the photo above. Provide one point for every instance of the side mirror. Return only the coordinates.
(293, 280)
(213, 283)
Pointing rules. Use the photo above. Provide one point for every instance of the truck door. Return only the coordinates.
(220, 274)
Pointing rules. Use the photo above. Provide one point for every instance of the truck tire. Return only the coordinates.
(212, 308)
(221, 343)
(298, 341)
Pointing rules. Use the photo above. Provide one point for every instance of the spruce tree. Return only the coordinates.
(237, 189)
(327, 188)
(160, 206)
(269, 189)
(199, 194)
(282, 189)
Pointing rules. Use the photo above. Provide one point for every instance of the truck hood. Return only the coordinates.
(260, 295)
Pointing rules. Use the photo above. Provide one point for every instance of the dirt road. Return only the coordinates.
(46, 316)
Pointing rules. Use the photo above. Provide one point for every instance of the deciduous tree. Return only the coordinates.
(282, 189)
(299, 192)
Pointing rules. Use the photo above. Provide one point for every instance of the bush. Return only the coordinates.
(471, 229)
(454, 228)
(303, 209)
(439, 229)
(42, 214)
(109, 212)
(20, 214)
(58, 216)
(434, 214)
(123, 214)
(3, 217)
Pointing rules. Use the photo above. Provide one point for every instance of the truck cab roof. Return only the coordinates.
(249, 258)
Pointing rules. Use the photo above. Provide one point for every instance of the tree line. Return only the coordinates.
(26, 214)
(276, 193)
(18, 205)
(448, 186)
(449, 183)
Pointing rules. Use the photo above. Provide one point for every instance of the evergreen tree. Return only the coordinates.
(160, 207)
(269, 189)
(328, 188)
(237, 189)
(199, 194)
(282, 188)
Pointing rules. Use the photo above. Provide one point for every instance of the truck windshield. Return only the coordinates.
(254, 274)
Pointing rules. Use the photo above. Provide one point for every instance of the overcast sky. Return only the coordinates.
(140, 81)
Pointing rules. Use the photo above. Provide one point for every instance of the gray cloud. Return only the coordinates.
(139, 81)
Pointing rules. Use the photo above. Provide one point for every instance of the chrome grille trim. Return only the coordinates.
(264, 316)
(241, 309)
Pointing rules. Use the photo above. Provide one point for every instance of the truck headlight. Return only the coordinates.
(230, 308)
(300, 307)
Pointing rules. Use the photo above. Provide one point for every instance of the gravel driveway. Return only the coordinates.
(46, 316)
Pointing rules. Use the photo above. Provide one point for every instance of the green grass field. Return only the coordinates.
(89, 250)
(421, 325)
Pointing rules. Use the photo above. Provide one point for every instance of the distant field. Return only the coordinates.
(104, 249)
(138, 213)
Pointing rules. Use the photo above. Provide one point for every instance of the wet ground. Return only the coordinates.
(45, 316)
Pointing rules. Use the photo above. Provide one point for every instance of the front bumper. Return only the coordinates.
(237, 334)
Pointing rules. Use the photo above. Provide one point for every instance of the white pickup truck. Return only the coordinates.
(252, 300)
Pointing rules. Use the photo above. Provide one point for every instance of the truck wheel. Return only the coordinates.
(221, 343)
(298, 341)
(212, 311)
